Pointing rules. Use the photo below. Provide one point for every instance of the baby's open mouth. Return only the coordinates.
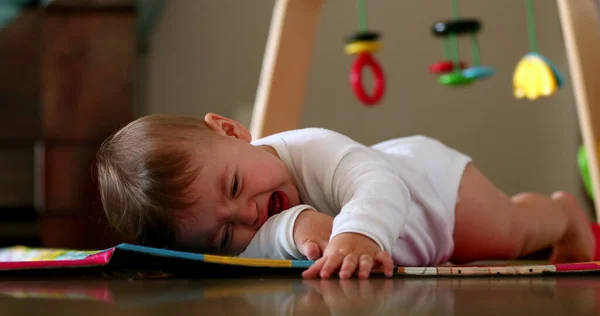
(277, 202)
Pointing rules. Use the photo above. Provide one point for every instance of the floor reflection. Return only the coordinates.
(408, 296)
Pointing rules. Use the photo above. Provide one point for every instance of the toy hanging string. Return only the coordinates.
(447, 49)
(454, 38)
(531, 26)
(362, 16)
(475, 50)
(455, 11)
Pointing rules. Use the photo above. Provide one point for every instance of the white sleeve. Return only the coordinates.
(275, 239)
(375, 200)
(370, 195)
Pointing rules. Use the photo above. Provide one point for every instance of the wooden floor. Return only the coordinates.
(571, 295)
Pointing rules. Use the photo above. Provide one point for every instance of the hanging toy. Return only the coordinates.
(364, 43)
(451, 69)
(535, 76)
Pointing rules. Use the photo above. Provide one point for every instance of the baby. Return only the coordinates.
(205, 186)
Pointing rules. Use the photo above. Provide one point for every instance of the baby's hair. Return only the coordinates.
(144, 174)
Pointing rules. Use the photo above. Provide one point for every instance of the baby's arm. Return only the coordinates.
(298, 233)
(372, 198)
(312, 231)
(275, 239)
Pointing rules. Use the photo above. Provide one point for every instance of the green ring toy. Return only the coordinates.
(584, 171)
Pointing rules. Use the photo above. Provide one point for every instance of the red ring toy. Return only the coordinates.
(365, 59)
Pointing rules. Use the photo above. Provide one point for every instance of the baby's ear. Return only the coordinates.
(227, 127)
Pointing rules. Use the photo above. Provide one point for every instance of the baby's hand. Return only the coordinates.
(349, 252)
(311, 233)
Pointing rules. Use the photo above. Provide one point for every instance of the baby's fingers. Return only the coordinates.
(348, 266)
(332, 265)
(314, 270)
(311, 250)
(385, 260)
(365, 266)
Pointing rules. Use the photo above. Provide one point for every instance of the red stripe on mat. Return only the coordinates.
(98, 259)
(583, 266)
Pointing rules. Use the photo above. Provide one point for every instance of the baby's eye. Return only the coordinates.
(234, 186)
(226, 237)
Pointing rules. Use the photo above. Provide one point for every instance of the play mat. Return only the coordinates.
(128, 259)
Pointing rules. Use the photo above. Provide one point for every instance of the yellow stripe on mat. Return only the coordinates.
(269, 263)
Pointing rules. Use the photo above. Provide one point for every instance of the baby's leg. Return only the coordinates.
(489, 225)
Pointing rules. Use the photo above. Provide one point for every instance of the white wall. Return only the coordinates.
(206, 56)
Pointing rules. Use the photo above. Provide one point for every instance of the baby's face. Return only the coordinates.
(238, 188)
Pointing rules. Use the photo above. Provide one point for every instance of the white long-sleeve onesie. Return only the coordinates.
(401, 193)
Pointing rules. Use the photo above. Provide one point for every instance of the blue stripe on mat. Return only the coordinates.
(162, 252)
(191, 255)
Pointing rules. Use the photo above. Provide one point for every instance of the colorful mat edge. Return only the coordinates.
(103, 257)
(97, 259)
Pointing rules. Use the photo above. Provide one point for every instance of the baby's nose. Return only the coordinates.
(248, 213)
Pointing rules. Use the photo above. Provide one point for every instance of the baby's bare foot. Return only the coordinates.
(577, 244)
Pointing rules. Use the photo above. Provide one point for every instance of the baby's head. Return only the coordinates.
(189, 184)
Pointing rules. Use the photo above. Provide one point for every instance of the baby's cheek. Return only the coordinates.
(242, 237)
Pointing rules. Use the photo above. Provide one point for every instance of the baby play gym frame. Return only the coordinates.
(280, 93)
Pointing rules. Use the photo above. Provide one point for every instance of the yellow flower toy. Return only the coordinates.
(535, 76)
